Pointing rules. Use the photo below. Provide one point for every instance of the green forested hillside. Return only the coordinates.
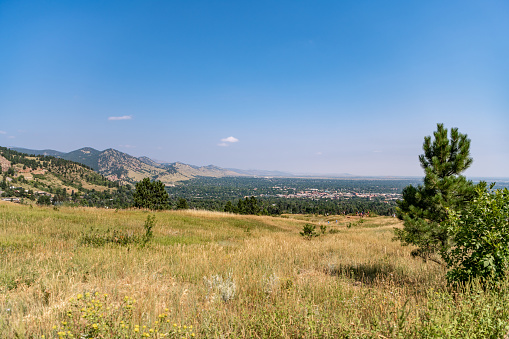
(34, 177)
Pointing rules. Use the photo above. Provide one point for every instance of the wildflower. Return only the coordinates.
(79, 296)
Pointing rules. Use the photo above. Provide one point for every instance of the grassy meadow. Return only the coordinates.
(89, 273)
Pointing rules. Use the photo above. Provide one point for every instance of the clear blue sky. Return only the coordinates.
(299, 86)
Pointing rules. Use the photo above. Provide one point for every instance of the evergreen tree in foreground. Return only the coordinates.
(151, 195)
(426, 206)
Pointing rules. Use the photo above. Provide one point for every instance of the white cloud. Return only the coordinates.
(227, 141)
(127, 146)
(124, 117)
(230, 139)
(3, 132)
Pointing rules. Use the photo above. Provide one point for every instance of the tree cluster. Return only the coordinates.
(451, 221)
(244, 206)
(151, 195)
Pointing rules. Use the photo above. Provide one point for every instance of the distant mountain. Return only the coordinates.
(49, 152)
(150, 162)
(86, 156)
(124, 168)
(262, 173)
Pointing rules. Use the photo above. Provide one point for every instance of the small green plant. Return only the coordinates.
(309, 231)
(95, 238)
(149, 224)
(323, 229)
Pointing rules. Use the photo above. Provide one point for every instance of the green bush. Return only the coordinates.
(44, 200)
(480, 234)
(308, 231)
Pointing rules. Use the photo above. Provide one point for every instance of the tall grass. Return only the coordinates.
(230, 276)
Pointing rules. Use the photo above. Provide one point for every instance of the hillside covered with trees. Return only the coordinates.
(50, 180)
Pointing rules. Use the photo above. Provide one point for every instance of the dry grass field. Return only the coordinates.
(88, 273)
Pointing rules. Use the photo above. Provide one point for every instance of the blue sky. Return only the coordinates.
(299, 86)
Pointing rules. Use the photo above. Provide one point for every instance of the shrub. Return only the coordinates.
(96, 238)
(44, 200)
(149, 224)
(323, 228)
(308, 231)
(480, 235)
(218, 286)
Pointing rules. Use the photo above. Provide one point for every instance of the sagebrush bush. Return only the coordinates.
(220, 287)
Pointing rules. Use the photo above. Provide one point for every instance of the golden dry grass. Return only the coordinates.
(356, 282)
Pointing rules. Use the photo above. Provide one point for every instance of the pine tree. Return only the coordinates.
(229, 207)
(182, 204)
(151, 195)
(424, 208)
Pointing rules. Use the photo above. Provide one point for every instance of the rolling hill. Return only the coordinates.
(33, 176)
(124, 168)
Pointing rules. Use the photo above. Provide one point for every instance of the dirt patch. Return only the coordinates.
(4, 163)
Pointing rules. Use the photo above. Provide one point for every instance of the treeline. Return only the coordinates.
(41, 161)
(119, 198)
(277, 206)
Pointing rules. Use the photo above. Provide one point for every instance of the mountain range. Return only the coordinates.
(124, 168)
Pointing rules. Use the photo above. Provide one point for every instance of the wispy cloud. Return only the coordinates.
(124, 117)
(127, 146)
(228, 141)
(3, 132)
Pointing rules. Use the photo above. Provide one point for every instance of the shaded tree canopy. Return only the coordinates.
(151, 195)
